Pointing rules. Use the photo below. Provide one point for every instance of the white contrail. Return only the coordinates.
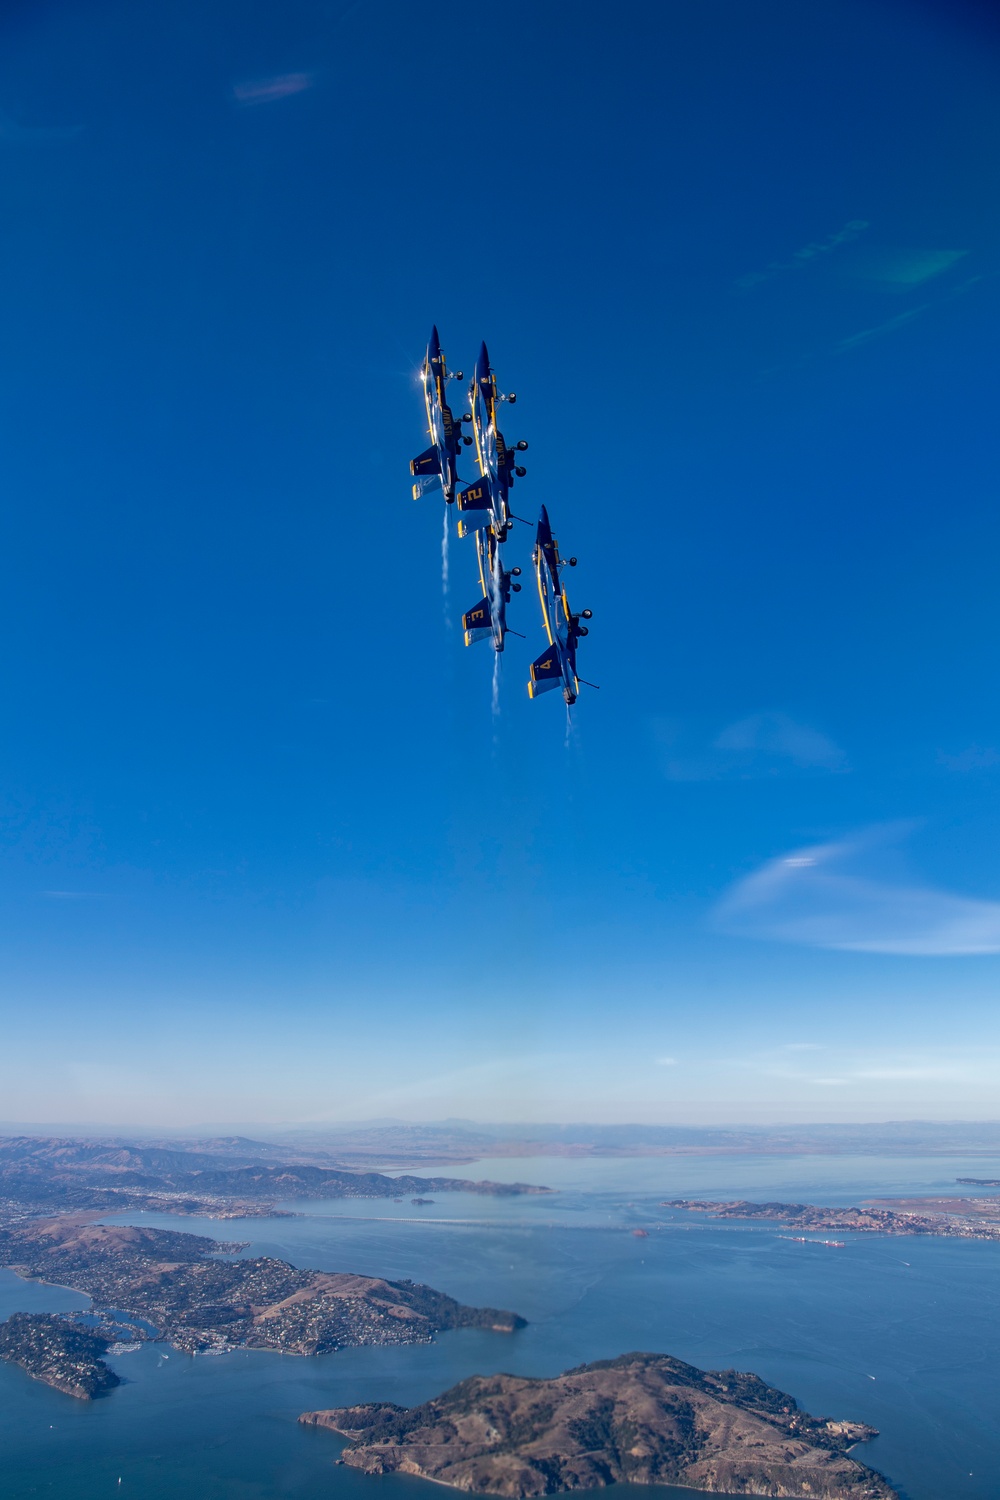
(569, 727)
(496, 684)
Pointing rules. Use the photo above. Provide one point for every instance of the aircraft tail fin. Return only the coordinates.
(428, 462)
(426, 469)
(475, 496)
(545, 673)
(476, 622)
(474, 507)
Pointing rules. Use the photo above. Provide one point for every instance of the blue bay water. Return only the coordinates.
(900, 1333)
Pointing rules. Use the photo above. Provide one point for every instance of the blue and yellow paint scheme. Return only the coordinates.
(488, 618)
(438, 464)
(484, 503)
(556, 667)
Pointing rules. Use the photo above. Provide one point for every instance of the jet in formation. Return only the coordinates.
(556, 667)
(488, 618)
(484, 512)
(486, 501)
(438, 464)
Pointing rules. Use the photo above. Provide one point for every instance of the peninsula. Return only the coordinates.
(160, 1284)
(950, 1220)
(641, 1418)
(58, 1352)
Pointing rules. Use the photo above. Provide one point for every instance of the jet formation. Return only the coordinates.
(484, 513)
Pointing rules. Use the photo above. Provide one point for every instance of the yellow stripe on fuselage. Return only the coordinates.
(439, 382)
(481, 558)
(490, 402)
(476, 407)
(542, 594)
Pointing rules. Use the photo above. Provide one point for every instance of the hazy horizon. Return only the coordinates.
(276, 1130)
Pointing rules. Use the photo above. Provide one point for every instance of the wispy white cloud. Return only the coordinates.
(776, 734)
(74, 895)
(666, 1062)
(857, 1070)
(900, 269)
(799, 259)
(975, 758)
(856, 340)
(867, 334)
(823, 897)
(924, 1071)
(268, 90)
(765, 744)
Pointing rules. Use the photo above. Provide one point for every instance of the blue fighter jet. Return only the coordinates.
(556, 667)
(488, 618)
(437, 465)
(484, 503)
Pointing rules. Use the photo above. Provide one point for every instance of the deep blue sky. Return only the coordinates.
(266, 853)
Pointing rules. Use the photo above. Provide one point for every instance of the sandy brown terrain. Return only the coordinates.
(643, 1418)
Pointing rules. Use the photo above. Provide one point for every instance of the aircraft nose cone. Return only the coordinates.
(434, 344)
(483, 363)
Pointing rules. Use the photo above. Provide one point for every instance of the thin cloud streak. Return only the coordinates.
(916, 1072)
(765, 744)
(902, 269)
(10, 130)
(777, 734)
(818, 897)
(75, 895)
(816, 249)
(268, 90)
(867, 334)
(975, 758)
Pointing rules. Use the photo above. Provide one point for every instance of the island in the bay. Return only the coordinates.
(954, 1218)
(641, 1418)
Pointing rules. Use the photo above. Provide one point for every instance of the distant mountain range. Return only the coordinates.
(466, 1140)
(229, 1177)
(242, 1164)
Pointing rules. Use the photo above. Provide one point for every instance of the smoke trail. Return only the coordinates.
(445, 540)
(496, 684)
(569, 728)
(444, 553)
